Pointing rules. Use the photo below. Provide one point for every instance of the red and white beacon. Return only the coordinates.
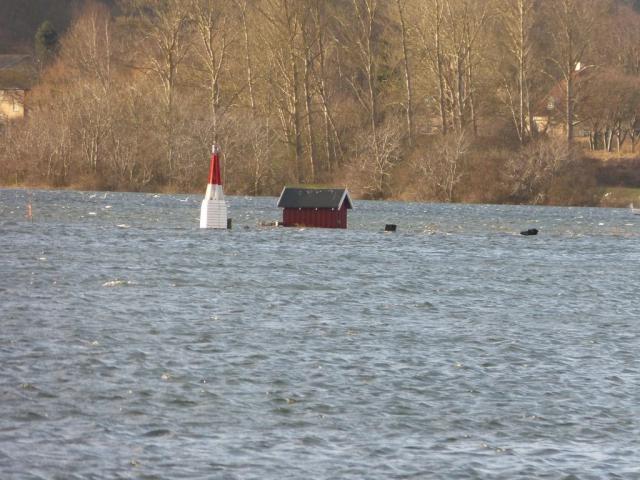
(213, 213)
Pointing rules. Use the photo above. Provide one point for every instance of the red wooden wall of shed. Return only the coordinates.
(315, 217)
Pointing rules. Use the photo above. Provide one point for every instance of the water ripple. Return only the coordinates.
(135, 345)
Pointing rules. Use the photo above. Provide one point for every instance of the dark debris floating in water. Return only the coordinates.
(531, 231)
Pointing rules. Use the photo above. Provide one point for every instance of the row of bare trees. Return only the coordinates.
(392, 98)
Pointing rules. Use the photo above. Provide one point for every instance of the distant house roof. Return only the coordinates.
(556, 97)
(314, 198)
(16, 72)
(11, 61)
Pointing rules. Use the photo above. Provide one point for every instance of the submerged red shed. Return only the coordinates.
(315, 207)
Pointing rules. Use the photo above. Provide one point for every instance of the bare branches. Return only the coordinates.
(382, 94)
(441, 169)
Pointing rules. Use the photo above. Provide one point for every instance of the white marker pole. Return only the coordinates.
(213, 213)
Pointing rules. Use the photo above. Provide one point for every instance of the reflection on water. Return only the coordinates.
(135, 345)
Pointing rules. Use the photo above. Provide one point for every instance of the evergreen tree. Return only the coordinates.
(46, 42)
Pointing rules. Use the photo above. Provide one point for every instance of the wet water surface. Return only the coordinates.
(135, 345)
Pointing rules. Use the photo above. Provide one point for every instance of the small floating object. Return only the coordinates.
(390, 227)
(213, 212)
(531, 231)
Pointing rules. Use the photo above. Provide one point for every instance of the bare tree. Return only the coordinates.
(430, 29)
(408, 79)
(308, 59)
(441, 169)
(451, 32)
(465, 21)
(531, 172)
(320, 20)
(517, 20)
(362, 36)
(214, 28)
(316, 90)
(281, 35)
(370, 170)
(242, 5)
(164, 30)
(87, 54)
(261, 146)
(571, 22)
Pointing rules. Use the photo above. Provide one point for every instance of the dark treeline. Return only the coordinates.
(19, 20)
(447, 100)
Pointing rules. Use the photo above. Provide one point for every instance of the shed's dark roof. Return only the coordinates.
(314, 198)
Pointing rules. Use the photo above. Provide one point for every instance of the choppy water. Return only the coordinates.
(135, 345)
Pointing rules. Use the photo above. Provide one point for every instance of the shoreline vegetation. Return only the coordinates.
(610, 197)
(492, 101)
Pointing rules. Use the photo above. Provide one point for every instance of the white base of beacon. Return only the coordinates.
(213, 213)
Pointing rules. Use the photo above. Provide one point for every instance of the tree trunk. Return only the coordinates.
(407, 73)
(247, 59)
(308, 116)
(440, 68)
(297, 129)
(521, 68)
(569, 106)
(608, 137)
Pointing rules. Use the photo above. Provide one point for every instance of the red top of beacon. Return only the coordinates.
(215, 178)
